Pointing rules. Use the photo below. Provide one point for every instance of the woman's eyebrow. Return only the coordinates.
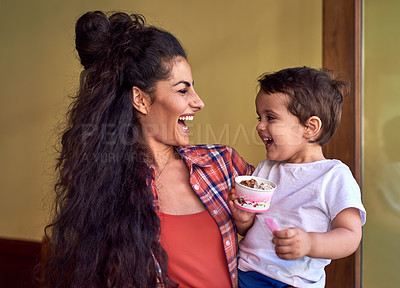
(184, 82)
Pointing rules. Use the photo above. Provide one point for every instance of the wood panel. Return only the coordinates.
(342, 53)
(17, 261)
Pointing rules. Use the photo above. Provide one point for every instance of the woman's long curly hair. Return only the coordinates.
(105, 232)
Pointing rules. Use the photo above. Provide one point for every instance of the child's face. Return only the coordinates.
(281, 131)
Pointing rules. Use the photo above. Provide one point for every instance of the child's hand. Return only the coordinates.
(238, 214)
(243, 219)
(341, 241)
(292, 243)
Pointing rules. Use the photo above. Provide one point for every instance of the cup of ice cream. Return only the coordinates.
(253, 194)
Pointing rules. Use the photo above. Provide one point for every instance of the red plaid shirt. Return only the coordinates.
(212, 170)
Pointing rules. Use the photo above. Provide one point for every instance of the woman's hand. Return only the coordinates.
(243, 219)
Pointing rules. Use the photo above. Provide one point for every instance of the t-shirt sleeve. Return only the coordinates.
(257, 170)
(343, 192)
(263, 169)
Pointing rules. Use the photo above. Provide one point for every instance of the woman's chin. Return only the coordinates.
(180, 140)
(184, 142)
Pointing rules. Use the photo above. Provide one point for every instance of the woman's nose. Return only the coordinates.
(197, 102)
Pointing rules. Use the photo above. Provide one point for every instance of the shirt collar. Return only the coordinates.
(195, 155)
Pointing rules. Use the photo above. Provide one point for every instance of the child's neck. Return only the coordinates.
(312, 153)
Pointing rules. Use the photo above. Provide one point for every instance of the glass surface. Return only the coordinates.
(381, 143)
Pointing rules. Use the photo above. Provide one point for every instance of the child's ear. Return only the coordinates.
(140, 100)
(312, 128)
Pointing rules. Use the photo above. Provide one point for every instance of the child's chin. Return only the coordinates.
(272, 157)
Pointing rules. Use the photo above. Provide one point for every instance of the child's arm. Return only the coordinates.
(341, 241)
(243, 220)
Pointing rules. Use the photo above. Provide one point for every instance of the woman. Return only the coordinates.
(129, 187)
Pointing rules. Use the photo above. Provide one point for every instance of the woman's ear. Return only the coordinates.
(312, 128)
(140, 100)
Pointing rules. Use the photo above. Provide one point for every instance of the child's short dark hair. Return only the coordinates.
(311, 92)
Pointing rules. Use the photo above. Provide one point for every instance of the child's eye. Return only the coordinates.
(269, 118)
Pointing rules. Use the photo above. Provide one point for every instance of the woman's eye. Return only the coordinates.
(259, 119)
(183, 91)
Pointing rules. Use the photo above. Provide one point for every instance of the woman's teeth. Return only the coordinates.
(184, 118)
(182, 121)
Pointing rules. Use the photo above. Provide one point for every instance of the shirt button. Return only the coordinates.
(227, 243)
(196, 187)
(215, 212)
(233, 275)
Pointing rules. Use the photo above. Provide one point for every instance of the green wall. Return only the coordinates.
(229, 43)
(381, 159)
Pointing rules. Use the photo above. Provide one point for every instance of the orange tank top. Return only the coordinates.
(196, 257)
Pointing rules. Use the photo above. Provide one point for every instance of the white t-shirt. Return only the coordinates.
(308, 196)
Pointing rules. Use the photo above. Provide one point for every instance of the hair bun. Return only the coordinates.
(92, 31)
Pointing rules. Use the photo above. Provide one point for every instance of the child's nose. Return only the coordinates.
(260, 127)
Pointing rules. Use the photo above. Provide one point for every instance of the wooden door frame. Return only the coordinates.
(342, 38)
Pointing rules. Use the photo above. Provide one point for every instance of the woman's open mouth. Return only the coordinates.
(182, 121)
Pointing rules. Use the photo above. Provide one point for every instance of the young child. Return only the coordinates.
(317, 203)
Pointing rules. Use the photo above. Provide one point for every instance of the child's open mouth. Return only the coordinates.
(268, 142)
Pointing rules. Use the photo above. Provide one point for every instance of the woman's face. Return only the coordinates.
(174, 103)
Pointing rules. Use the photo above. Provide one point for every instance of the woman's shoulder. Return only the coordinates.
(215, 155)
(206, 149)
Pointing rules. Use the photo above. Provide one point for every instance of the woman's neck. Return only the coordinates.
(162, 154)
